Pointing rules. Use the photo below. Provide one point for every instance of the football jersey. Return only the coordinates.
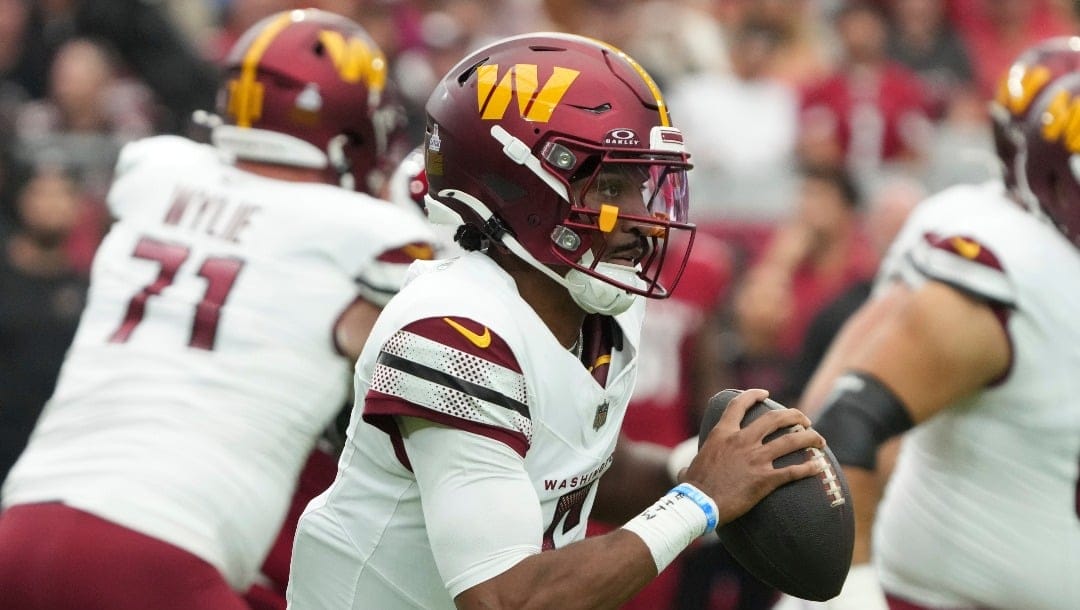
(204, 366)
(983, 506)
(458, 346)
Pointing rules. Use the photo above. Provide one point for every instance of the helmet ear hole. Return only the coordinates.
(470, 238)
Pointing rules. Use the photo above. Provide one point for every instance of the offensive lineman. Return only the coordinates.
(492, 389)
(971, 346)
(227, 304)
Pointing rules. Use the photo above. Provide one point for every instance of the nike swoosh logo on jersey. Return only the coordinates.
(482, 340)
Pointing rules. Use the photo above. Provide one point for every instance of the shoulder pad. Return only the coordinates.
(965, 263)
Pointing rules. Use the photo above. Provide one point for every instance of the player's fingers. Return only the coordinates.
(737, 408)
(809, 468)
(794, 441)
(775, 420)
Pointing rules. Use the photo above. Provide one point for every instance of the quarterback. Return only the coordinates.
(491, 391)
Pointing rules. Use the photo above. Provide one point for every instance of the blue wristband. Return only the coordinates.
(703, 501)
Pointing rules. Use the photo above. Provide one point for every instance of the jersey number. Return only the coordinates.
(219, 272)
(568, 506)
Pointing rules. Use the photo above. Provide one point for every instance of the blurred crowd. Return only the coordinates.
(815, 127)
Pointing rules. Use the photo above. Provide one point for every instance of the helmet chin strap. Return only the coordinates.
(335, 152)
(592, 294)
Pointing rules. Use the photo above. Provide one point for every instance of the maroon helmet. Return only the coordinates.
(308, 88)
(517, 133)
(1018, 88)
(1051, 145)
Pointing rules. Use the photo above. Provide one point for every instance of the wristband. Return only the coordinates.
(673, 522)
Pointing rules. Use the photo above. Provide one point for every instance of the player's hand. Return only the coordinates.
(735, 468)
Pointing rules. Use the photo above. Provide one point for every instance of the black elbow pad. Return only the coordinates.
(859, 415)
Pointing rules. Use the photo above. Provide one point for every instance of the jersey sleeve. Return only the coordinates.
(963, 262)
(455, 372)
(462, 475)
(385, 275)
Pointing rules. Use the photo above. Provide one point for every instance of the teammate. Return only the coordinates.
(227, 304)
(970, 346)
(492, 389)
(407, 189)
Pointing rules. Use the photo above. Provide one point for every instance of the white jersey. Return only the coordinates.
(204, 366)
(459, 347)
(983, 508)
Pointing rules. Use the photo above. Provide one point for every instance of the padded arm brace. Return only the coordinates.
(859, 415)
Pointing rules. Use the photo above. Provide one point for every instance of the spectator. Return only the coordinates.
(871, 113)
(89, 114)
(23, 57)
(41, 297)
(923, 39)
(746, 168)
(888, 208)
(803, 54)
(22, 64)
(148, 42)
(996, 31)
(810, 260)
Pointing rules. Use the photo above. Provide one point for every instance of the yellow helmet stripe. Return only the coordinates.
(245, 94)
(649, 82)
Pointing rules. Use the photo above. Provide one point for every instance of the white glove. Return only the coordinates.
(861, 591)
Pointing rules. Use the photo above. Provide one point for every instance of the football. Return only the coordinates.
(799, 538)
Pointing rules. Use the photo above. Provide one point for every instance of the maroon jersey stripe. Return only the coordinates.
(380, 409)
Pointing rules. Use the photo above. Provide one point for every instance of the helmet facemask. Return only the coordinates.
(607, 191)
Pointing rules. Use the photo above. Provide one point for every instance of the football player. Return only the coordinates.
(227, 305)
(407, 188)
(970, 346)
(491, 391)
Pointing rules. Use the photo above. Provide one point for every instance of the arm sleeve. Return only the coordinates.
(480, 509)
(385, 275)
